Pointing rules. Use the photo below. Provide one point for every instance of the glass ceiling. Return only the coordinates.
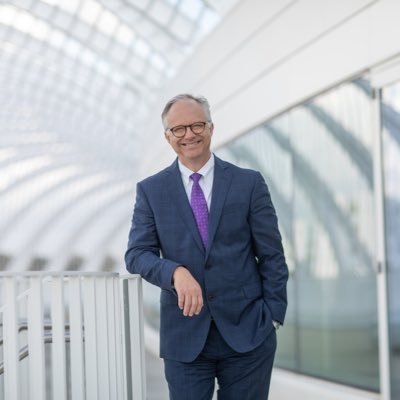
(77, 78)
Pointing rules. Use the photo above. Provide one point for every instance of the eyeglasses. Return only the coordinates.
(180, 131)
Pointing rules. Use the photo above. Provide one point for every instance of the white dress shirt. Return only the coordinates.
(205, 182)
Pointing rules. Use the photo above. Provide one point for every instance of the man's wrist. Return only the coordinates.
(173, 274)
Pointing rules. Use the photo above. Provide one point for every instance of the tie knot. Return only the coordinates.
(195, 177)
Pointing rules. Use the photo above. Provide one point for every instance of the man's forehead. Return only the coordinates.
(185, 106)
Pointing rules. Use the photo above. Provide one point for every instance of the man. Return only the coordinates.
(205, 232)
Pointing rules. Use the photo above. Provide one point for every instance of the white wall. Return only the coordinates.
(268, 55)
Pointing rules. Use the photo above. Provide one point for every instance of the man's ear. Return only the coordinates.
(167, 138)
(212, 128)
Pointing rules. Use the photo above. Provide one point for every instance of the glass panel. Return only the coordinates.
(391, 159)
(317, 161)
(334, 237)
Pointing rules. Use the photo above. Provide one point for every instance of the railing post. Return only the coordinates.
(120, 353)
(113, 345)
(103, 378)
(91, 360)
(37, 387)
(134, 338)
(76, 338)
(10, 343)
(58, 338)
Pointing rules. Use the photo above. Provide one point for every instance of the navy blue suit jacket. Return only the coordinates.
(242, 272)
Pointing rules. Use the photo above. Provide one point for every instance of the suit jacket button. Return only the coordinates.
(210, 297)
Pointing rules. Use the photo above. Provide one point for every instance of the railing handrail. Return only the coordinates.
(47, 338)
(23, 326)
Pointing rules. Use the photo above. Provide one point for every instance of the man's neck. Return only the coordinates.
(195, 165)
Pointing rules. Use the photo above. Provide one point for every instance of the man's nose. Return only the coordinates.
(189, 134)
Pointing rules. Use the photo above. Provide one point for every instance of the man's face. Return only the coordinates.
(192, 150)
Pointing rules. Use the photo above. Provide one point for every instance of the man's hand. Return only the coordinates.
(190, 297)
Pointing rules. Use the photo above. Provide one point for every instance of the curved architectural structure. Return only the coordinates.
(305, 91)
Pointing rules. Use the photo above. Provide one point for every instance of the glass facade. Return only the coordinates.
(317, 161)
(390, 111)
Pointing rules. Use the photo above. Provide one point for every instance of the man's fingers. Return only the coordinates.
(191, 305)
(186, 308)
(195, 306)
(181, 300)
(199, 305)
(190, 298)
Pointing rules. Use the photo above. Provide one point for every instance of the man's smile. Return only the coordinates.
(192, 144)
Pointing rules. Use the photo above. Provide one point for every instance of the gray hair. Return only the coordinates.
(186, 96)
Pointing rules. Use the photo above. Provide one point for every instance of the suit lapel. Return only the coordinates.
(179, 198)
(221, 184)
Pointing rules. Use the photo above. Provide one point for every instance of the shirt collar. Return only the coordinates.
(204, 170)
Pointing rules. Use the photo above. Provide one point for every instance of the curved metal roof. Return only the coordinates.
(77, 80)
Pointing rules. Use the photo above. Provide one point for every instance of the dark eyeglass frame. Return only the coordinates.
(201, 125)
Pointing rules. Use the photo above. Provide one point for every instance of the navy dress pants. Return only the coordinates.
(240, 376)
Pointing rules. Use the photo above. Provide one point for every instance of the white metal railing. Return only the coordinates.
(71, 335)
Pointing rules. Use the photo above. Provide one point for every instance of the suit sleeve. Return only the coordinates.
(268, 249)
(143, 255)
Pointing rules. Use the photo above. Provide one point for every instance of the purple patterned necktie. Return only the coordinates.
(199, 207)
